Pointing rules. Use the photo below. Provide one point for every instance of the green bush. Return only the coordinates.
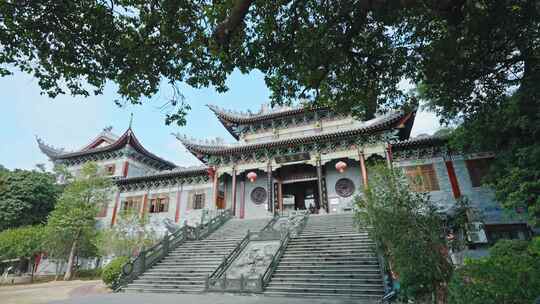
(510, 275)
(89, 273)
(112, 270)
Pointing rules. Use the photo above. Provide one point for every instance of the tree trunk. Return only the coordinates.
(69, 270)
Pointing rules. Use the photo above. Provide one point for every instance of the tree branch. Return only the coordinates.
(222, 33)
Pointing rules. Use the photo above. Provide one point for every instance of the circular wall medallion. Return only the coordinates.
(344, 187)
(258, 195)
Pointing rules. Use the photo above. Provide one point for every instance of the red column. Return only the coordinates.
(145, 204)
(224, 192)
(125, 169)
(216, 189)
(453, 178)
(234, 193)
(242, 198)
(363, 170)
(116, 201)
(177, 215)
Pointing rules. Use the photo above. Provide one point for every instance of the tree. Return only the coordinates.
(26, 197)
(348, 53)
(128, 236)
(408, 229)
(510, 274)
(476, 60)
(72, 221)
(23, 243)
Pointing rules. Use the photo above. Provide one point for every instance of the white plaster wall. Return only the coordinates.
(336, 203)
(137, 168)
(118, 166)
(253, 210)
(443, 198)
(481, 198)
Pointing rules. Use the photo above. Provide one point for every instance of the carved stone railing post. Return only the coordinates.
(242, 283)
(165, 248)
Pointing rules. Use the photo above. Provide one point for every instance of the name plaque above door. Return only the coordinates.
(289, 158)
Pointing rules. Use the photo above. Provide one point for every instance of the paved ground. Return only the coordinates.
(41, 293)
(144, 298)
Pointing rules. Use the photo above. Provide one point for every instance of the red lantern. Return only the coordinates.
(341, 166)
(252, 176)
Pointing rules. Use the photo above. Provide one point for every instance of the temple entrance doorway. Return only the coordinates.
(303, 195)
(298, 188)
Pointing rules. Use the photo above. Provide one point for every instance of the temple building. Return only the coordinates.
(285, 159)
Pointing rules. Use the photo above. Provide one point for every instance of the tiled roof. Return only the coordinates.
(246, 118)
(176, 172)
(128, 138)
(231, 119)
(417, 142)
(393, 120)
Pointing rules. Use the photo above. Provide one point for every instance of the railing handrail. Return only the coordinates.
(142, 261)
(228, 259)
(275, 259)
(271, 222)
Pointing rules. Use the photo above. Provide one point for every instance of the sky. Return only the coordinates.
(72, 122)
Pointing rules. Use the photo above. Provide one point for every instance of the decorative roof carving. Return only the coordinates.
(389, 121)
(49, 150)
(128, 138)
(232, 119)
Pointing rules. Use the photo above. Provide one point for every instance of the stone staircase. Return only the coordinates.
(184, 269)
(330, 258)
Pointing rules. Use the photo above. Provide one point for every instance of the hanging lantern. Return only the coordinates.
(252, 176)
(341, 166)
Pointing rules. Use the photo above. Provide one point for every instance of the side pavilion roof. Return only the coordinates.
(113, 144)
(231, 119)
(399, 120)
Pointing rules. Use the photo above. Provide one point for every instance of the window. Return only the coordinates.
(159, 203)
(103, 210)
(422, 178)
(478, 169)
(132, 203)
(198, 201)
(109, 169)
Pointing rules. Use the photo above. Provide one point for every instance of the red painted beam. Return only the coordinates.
(453, 178)
(125, 169)
(177, 214)
(116, 201)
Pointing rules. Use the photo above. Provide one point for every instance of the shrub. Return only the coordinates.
(510, 275)
(408, 229)
(112, 270)
(89, 273)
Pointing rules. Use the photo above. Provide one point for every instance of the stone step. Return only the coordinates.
(305, 235)
(336, 290)
(329, 238)
(186, 271)
(192, 259)
(310, 267)
(326, 285)
(162, 290)
(376, 280)
(329, 251)
(167, 286)
(286, 275)
(330, 245)
(174, 277)
(184, 267)
(358, 298)
(319, 272)
(311, 259)
(169, 281)
(331, 263)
